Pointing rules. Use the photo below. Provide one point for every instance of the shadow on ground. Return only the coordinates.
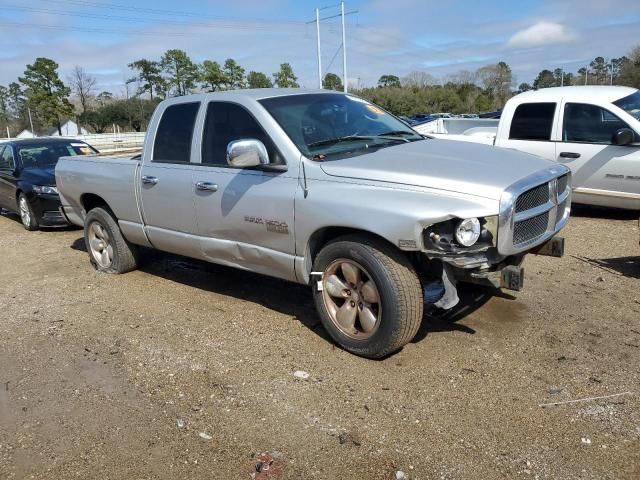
(290, 298)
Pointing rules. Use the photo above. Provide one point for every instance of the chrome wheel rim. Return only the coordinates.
(25, 216)
(351, 299)
(100, 245)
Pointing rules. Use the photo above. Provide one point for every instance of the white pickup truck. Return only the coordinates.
(593, 130)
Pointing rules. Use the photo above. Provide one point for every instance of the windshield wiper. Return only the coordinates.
(393, 133)
(347, 138)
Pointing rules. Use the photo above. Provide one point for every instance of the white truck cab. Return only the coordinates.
(594, 130)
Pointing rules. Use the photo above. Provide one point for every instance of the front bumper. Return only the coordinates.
(510, 273)
(47, 210)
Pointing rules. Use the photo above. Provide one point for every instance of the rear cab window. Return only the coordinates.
(533, 121)
(175, 133)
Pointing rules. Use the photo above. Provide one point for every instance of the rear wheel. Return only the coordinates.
(108, 250)
(27, 216)
(369, 297)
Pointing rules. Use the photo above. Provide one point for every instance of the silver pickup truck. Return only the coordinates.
(324, 189)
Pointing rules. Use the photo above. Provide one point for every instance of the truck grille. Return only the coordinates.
(533, 198)
(540, 209)
(530, 230)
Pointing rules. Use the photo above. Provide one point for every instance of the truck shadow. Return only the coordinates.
(289, 298)
(592, 211)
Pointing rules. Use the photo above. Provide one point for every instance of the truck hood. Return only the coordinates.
(481, 170)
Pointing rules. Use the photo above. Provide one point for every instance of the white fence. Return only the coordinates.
(108, 142)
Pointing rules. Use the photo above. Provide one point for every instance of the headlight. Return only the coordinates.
(43, 189)
(468, 231)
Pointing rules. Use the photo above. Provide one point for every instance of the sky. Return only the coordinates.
(383, 36)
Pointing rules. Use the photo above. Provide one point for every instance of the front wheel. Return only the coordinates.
(27, 215)
(369, 297)
(108, 250)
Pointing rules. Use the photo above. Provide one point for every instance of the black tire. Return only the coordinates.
(399, 290)
(124, 256)
(28, 218)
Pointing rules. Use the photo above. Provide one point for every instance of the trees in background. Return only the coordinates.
(285, 78)
(82, 86)
(148, 77)
(258, 80)
(332, 81)
(41, 92)
(181, 74)
(46, 93)
(389, 81)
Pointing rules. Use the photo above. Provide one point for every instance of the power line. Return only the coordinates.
(103, 16)
(173, 13)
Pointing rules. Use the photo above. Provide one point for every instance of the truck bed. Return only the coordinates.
(476, 130)
(112, 178)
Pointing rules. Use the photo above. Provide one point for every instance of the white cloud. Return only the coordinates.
(540, 34)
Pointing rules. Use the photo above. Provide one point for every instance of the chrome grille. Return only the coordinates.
(530, 229)
(533, 198)
(561, 210)
(562, 183)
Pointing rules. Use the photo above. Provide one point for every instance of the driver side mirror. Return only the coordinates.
(623, 136)
(247, 153)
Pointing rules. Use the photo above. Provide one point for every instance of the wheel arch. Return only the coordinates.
(89, 201)
(323, 236)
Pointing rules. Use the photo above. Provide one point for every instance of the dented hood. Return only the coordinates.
(462, 167)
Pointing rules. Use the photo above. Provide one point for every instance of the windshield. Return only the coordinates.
(630, 104)
(329, 126)
(45, 154)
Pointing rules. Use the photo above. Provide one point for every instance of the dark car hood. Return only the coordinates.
(39, 176)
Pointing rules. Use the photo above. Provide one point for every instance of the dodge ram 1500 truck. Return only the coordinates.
(325, 189)
(594, 130)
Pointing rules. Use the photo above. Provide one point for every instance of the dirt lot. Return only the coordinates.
(186, 370)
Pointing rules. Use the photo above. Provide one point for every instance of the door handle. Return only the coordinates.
(569, 155)
(147, 180)
(206, 187)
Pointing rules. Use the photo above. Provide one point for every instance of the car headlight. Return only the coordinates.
(468, 231)
(46, 190)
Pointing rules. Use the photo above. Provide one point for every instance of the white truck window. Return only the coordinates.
(585, 123)
(175, 131)
(532, 121)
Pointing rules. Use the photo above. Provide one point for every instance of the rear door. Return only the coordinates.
(7, 178)
(531, 129)
(166, 188)
(599, 167)
(245, 216)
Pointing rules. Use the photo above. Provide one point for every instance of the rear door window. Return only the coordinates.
(532, 121)
(174, 134)
(585, 123)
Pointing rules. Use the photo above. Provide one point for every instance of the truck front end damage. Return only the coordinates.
(490, 250)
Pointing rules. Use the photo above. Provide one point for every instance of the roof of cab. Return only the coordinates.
(604, 93)
(258, 93)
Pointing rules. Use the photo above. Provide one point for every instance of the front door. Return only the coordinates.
(166, 183)
(600, 169)
(244, 216)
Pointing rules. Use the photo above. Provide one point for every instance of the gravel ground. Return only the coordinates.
(186, 370)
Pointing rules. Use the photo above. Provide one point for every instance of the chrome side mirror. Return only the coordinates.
(247, 153)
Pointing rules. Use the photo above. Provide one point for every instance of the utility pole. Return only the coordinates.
(319, 54)
(586, 74)
(562, 77)
(317, 21)
(344, 50)
(611, 80)
(31, 121)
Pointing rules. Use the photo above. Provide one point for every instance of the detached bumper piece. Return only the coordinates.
(552, 248)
